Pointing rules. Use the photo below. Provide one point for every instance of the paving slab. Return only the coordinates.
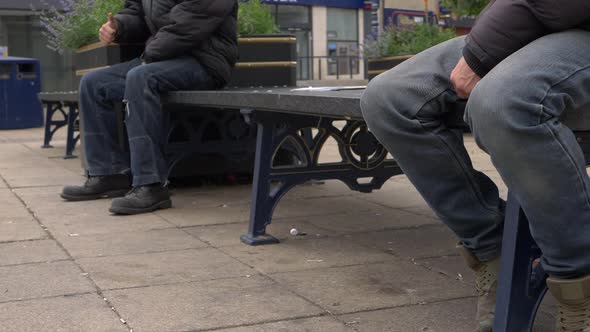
(378, 219)
(11, 206)
(209, 195)
(216, 195)
(92, 224)
(46, 201)
(72, 314)
(38, 176)
(83, 218)
(426, 241)
(350, 289)
(323, 324)
(423, 210)
(24, 252)
(20, 229)
(22, 282)
(321, 206)
(122, 243)
(30, 134)
(162, 268)
(397, 195)
(453, 267)
(455, 316)
(209, 304)
(17, 155)
(184, 215)
(306, 254)
(229, 234)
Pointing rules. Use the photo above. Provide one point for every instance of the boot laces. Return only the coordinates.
(485, 277)
(134, 192)
(574, 317)
(92, 180)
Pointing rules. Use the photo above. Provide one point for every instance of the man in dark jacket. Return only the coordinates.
(523, 65)
(190, 44)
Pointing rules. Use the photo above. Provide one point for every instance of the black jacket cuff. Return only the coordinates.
(477, 66)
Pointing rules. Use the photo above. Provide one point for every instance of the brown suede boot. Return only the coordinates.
(573, 296)
(486, 284)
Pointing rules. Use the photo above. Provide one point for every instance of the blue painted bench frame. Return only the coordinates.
(284, 119)
(66, 105)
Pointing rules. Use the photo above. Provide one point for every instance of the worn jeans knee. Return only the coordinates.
(406, 109)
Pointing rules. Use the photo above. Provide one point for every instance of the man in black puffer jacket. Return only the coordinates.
(523, 65)
(190, 44)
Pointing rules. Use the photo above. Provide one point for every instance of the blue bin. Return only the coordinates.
(20, 84)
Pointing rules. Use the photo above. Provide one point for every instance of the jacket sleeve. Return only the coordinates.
(193, 21)
(131, 23)
(505, 26)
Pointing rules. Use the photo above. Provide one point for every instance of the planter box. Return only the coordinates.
(381, 65)
(266, 60)
(98, 56)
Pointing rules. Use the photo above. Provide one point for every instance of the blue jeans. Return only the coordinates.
(140, 86)
(514, 113)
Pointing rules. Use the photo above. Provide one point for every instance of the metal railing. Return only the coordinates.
(342, 67)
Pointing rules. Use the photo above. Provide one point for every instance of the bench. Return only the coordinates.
(302, 121)
(222, 140)
(66, 105)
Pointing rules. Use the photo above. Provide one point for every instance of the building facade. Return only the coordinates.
(21, 35)
(330, 34)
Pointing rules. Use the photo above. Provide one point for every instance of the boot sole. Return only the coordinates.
(129, 211)
(108, 194)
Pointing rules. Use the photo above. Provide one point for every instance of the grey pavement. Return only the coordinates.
(368, 262)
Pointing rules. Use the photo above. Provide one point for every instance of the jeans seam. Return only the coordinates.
(573, 163)
(458, 161)
(467, 176)
(546, 95)
(561, 145)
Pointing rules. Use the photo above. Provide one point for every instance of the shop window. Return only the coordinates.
(296, 20)
(343, 46)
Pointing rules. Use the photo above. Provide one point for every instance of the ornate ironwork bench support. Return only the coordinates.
(69, 112)
(51, 125)
(299, 140)
(72, 138)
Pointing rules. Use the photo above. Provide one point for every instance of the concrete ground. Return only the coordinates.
(369, 262)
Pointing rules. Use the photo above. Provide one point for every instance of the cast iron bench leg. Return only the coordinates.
(521, 287)
(71, 139)
(52, 108)
(263, 202)
(362, 157)
(48, 135)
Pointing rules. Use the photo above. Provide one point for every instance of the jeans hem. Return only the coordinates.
(487, 255)
(144, 180)
(100, 171)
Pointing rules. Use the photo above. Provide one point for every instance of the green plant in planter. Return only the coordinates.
(255, 19)
(406, 40)
(78, 25)
(465, 7)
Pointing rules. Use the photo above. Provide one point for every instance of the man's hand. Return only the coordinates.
(108, 31)
(464, 79)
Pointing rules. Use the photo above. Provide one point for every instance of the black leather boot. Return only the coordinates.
(97, 187)
(142, 200)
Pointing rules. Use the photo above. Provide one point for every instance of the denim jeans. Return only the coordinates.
(514, 113)
(140, 86)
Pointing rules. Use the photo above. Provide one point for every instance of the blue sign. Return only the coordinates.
(327, 3)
